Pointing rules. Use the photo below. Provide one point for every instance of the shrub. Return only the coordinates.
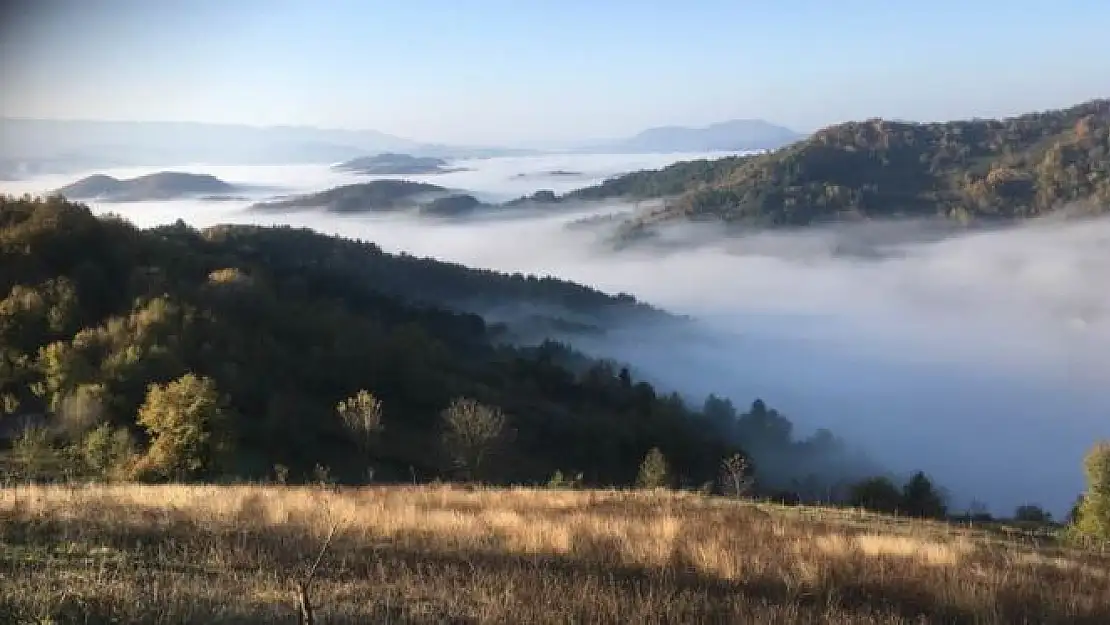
(106, 452)
(559, 481)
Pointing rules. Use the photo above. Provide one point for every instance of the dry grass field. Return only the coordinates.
(233, 554)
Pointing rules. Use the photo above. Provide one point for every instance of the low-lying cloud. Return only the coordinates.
(982, 358)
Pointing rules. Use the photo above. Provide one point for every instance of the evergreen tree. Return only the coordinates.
(920, 498)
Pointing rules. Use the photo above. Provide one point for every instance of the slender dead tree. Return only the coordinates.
(306, 615)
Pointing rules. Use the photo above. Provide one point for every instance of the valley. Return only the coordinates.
(554, 312)
(782, 316)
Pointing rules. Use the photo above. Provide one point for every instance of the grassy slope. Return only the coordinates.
(159, 554)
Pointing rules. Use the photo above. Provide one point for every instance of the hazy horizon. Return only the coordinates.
(524, 74)
(981, 358)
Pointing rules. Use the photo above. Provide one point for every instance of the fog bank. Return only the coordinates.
(982, 358)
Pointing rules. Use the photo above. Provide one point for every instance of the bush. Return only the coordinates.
(559, 481)
(34, 456)
(107, 453)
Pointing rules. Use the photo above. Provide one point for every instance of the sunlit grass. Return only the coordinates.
(138, 553)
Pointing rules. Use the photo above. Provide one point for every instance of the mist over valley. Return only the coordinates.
(964, 353)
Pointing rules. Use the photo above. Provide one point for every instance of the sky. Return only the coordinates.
(508, 72)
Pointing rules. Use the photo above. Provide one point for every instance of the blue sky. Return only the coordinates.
(520, 71)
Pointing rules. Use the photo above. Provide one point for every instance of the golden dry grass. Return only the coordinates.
(229, 554)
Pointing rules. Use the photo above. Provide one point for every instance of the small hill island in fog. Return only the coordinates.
(165, 185)
(392, 164)
(380, 196)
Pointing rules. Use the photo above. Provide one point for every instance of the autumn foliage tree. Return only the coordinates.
(185, 419)
(1092, 516)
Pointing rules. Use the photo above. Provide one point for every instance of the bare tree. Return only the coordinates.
(735, 480)
(654, 470)
(362, 414)
(471, 431)
(306, 614)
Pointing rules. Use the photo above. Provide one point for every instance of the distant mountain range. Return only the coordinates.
(30, 147)
(36, 146)
(732, 136)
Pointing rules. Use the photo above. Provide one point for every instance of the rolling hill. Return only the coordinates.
(288, 322)
(382, 196)
(165, 185)
(376, 196)
(1012, 168)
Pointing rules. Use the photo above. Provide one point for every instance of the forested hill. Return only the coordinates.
(980, 169)
(227, 352)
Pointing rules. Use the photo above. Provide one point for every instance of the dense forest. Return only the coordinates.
(1018, 167)
(249, 351)
(671, 180)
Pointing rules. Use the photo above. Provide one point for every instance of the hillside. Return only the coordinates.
(379, 195)
(286, 323)
(234, 554)
(730, 136)
(457, 205)
(165, 185)
(392, 164)
(1011, 168)
(668, 181)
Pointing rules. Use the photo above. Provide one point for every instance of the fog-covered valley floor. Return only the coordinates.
(982, 358)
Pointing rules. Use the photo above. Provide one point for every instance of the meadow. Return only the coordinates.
(448, 554)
